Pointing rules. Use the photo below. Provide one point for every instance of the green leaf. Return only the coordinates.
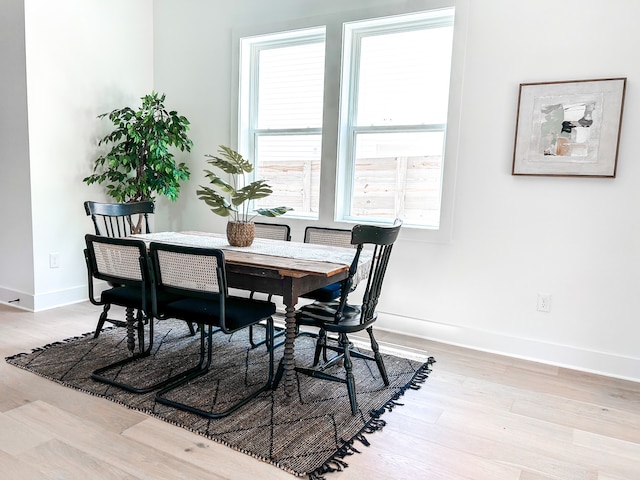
(273, 212)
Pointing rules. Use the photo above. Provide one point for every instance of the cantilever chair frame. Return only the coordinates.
(205, 296)
(341, 318)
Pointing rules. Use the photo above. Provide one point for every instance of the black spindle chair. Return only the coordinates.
(340, 318)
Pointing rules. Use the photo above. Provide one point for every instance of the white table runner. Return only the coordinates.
(263, 246)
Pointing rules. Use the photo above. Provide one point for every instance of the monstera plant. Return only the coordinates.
(232, 198)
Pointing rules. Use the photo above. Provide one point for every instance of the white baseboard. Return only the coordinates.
(45, 301)
(16, 299)
(575, 358)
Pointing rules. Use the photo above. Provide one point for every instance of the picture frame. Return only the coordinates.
(569, 128)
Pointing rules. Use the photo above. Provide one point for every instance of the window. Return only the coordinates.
(282, 100)
(394, 113)
(364, 140)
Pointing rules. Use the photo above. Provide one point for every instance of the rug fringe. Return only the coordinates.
(335, 463)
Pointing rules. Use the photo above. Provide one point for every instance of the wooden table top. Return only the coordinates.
(251, 256)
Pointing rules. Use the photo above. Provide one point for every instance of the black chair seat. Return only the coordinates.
(239, 312)
(128, 296)
(323, 315)
(326, 293)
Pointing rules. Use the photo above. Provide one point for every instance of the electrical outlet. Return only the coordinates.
(54, 260)
(544, 302)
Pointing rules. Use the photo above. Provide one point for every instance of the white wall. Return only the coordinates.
(84, 57)
(575, 238)
(16, 269)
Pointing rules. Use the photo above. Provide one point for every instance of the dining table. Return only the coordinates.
(275, 267)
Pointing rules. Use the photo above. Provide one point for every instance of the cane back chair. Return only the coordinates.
(198, 276)
(124, 264)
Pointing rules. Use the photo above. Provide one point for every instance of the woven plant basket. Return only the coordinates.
(241, 234)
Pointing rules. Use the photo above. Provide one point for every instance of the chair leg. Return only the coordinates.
(192, 330)
(321, 345)
(101, 320)
(378, 357)
(255, 344)
(348, 366)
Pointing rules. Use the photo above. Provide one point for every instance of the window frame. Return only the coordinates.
(333, 23)
(353, 33)
(248, 101)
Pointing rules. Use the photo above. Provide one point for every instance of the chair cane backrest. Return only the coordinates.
(190, 272)
(118, 219)
(120, 262)
(334, 237)
(382, 239)
(273, 231)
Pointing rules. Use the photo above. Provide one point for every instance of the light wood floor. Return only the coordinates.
(479, 416)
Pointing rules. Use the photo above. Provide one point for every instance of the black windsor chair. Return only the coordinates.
(119, 220)
(198, 275)
(340, 318)
(124, 264)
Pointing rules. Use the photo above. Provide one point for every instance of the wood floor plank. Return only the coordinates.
(198, 450)
(142, 461)
(16, 438)
(598, 419)
(99, 410)
(66, 462)
(14, 468)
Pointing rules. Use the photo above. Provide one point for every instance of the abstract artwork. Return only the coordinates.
(569, 128)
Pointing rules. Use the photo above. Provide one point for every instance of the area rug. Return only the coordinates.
(309, 435)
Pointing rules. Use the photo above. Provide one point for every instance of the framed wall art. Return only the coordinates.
(569, 128)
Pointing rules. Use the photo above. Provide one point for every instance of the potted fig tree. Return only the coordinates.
(232, 198)
(140, 163)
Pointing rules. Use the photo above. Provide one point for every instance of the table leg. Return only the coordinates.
(131, 325)
(288, 359)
